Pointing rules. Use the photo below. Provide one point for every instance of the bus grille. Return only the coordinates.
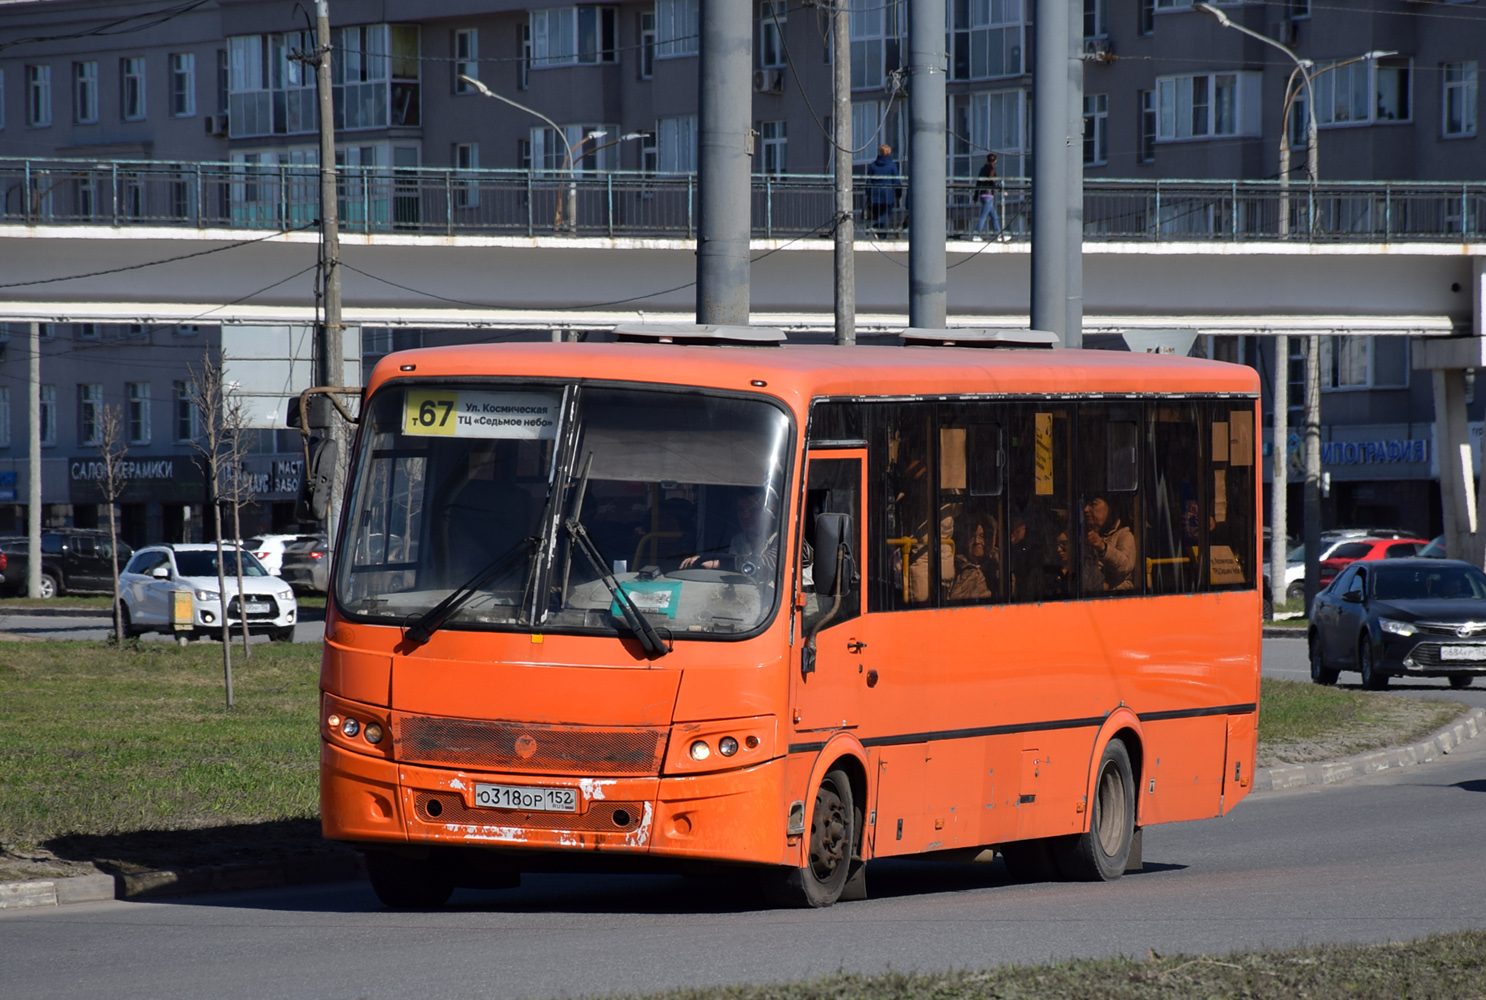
(510, 746)
(601, 817)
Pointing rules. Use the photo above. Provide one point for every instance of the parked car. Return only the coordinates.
(269, 549)
(1435, 549)
(150, 581)
(73, 561)
(1295, 563)
(1410, 617)
(1366, 550)
(307, 565)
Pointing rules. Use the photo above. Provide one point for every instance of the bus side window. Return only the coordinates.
(1175, 503)
(1231, 544)
(833, 486)
(1040, 539)
(1109, 500)
(971, 460)
(904, 558)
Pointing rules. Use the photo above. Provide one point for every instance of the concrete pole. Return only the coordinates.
(1074, 277)
(725, 147)
(331, 367)
(1050, 140)
(928, 275)
(1312, 469)
(846, 278)
(1280, 474)
(33, 484)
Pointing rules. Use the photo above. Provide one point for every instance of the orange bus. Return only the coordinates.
(660, 606)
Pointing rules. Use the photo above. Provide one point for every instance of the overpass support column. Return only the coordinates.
(1447, 360)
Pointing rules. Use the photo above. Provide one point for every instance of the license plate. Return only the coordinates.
(562, 800)
(257, 606)
(1463, 652)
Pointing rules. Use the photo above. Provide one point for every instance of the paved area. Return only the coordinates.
(96, 627)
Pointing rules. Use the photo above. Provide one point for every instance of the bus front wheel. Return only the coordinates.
(834, 825)
(1100, 854)
(404, 883)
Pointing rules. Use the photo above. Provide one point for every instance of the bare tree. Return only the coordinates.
(112, 448)
(237, 486)
(206, 389)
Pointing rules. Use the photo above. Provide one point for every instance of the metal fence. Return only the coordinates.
(442, 201)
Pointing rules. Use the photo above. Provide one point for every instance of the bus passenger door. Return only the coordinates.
(832, 657)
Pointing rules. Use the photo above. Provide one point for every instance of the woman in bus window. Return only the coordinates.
(1109, 547)
(977, 560)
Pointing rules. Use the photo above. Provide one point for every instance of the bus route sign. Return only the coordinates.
(463, 413)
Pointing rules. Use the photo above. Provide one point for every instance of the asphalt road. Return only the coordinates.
(1387, 857)
(96, 627)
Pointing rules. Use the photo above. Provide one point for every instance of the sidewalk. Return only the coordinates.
(309, 869)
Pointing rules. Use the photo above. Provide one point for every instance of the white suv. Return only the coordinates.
(157, 572)
(270, 550)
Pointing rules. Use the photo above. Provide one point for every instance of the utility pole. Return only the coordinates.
(725, 152)
(33, 478)
(1050, 141)
(928, 275)
(330, 370)
(1279, 478)
(1073, 335)
(846, 277)
(1312, 470)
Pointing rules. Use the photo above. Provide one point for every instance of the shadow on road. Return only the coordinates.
(149, 850)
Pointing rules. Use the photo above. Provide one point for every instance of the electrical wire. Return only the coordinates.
(106, 29)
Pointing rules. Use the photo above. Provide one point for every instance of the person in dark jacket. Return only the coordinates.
(884, 186)
(987, 187)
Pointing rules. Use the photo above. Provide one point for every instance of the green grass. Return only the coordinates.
(99, 740)
(1300, 721)
(1442, 966)
(1300, 624)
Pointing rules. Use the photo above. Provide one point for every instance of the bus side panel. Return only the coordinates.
(899, 801)
(357, 675)
(1182, 777)
(1243, 748)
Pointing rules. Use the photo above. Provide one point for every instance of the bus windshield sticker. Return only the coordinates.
(528, 416)
(1225, 567)
(652, 597)
(1043, 447)
(1241, 437)
(1220, 441)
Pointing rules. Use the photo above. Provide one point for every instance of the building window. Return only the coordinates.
(48, 421)
(224, 77)
(38, 96)
(1094, 19)
(1362, 362)
(678, 145)
(89, 413)
(1459, 101)
(1207, 106)
(85, 93)
(131, 88)
(649, 154)
(771, 21)
(1096, 129)
(877, 30)
(550, 152)
(993, 122)
(647, 44)
(1299, 9)
(1147, 126)
(85, 331)
(1147, 23)
(4, 417)
(523, 65)
(2, 99)
(466, 59)
(187, 422)
(182, 84)
(775, 146)
(1363, 93)
(568, 36)
(678, 25)
(466, 157)
(986, 39)
(138, 394)
(523, 154)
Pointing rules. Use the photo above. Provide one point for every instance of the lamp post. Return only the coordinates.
(485, 91)
(569, 167)
(1281, 433)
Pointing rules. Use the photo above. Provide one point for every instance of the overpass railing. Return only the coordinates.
(435, 200)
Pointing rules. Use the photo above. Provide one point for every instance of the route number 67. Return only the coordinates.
(430, 413)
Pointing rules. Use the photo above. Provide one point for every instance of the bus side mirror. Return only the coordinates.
(319, 478)
(831, 532)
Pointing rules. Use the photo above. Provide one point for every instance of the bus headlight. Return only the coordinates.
(350, 727)
(727, 746)
(700, 750)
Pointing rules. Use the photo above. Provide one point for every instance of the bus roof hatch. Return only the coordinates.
(696, 335)
(918, 336)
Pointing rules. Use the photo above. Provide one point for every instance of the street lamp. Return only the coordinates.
(1281, 432)
(485, 91)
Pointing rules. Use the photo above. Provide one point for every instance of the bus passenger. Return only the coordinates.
(977, 563)
(1109, 548)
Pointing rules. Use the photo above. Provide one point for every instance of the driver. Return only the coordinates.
(754, 549)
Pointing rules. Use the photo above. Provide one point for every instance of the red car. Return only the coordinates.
(1364, 549)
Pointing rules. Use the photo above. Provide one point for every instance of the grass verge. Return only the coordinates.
(1445, 965)
(98, 601)
(1300, 722)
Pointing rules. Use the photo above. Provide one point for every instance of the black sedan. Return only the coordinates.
(1401, 618)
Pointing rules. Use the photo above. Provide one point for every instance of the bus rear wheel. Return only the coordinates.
(1101, 854)
(403, 883)
(835, 824)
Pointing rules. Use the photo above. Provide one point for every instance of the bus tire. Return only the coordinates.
(403, 883)
(835, 824)
(1100, 854)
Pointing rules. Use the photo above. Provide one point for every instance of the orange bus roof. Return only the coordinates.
(803, 372)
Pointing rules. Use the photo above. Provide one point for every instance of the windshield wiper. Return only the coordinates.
(638, 623)
(434, 618)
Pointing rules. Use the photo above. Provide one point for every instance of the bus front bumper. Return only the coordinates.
(733, 815)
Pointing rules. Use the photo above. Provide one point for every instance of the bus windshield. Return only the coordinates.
(472, 497)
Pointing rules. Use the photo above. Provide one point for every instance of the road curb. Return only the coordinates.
(1467, 727)
(1276, 632)
(303, 869)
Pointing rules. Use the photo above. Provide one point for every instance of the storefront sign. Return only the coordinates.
(1373, 452)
